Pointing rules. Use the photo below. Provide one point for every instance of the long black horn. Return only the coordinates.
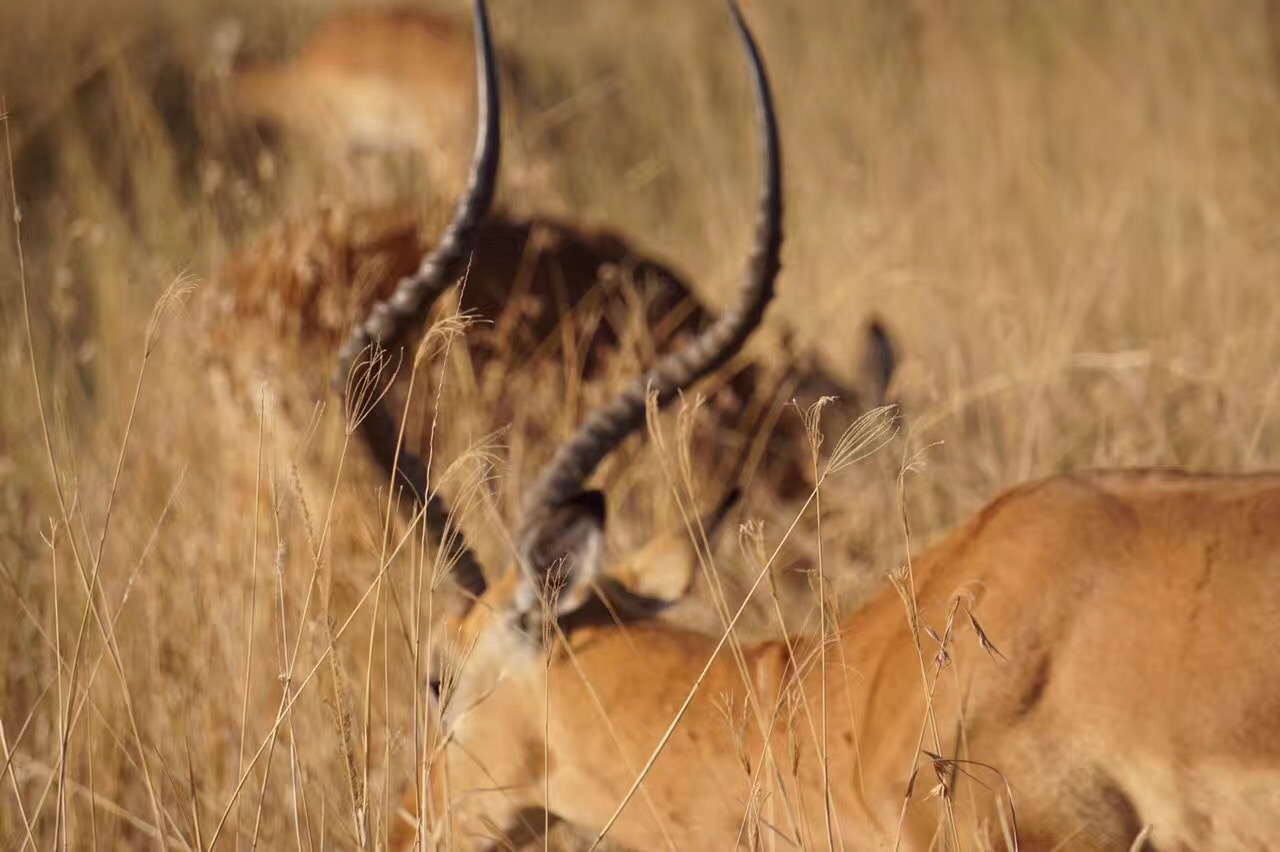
(566, 474)
(390, 322)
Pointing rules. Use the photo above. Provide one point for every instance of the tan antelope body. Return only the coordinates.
(1136, 610)
(1088, 663)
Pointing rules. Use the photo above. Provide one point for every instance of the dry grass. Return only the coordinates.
(1065, 210)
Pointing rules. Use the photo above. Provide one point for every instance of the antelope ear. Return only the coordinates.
(565, 557)
(879, 361)
(662, 571)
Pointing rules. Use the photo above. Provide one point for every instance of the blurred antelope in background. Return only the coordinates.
(1084, 664)
(371, 81)
(553, 297)
(558, 303)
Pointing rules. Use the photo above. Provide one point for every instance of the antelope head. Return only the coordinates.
(499, 633)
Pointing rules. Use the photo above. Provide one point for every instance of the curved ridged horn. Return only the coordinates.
(567, 472)
(391, 321)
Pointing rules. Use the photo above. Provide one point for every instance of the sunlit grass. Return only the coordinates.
(1065, 212)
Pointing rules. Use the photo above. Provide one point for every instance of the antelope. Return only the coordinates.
(561, 304)
(369, 80)
(547, 290)
(566, 309)
(1083, 664)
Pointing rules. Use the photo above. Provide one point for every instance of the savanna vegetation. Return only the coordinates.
(1065, 212)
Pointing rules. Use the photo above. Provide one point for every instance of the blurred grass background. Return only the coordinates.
(1065, 211)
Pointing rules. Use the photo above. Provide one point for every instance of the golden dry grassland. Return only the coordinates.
(1065, 211)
